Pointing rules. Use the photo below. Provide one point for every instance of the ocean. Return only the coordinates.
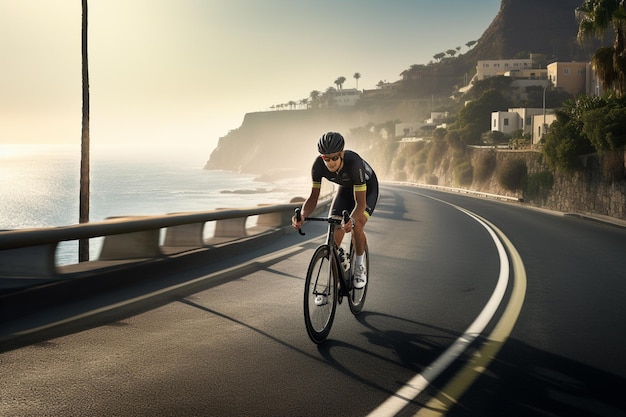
(39, 187)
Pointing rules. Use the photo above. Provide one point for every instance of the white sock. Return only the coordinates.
(358, 260)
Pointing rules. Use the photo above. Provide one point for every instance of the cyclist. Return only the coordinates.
(357, 193)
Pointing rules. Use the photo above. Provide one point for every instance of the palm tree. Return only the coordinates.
(339, 82)
(315, 98)
(439, 56)
(356, 76)
(595, 18)
(83, 215)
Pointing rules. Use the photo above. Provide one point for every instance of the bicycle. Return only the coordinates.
(328, 280)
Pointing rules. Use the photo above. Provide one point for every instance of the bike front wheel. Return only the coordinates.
(356, 298)
(320, 294)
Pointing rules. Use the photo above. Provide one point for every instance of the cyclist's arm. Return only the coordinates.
(308, 206)
(311, 202)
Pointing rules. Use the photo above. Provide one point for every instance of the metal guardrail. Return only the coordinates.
(30, 253)
(461, 191)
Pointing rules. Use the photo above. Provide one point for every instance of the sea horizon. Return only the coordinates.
(40, 188)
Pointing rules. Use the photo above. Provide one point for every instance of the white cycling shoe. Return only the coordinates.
(359, 280)
(321, 300)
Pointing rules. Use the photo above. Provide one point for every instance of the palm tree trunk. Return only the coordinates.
(83, 244)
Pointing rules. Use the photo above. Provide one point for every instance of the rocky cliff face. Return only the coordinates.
(546, 27)
(287, 140)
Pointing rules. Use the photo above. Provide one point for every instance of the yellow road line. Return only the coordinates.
(481, 359)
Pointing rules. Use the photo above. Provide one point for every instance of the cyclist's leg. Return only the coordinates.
(344, 200)
(360, 238)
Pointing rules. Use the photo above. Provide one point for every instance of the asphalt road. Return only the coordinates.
(516, 312)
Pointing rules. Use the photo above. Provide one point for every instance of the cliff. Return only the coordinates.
(287, 140)
(547, 27)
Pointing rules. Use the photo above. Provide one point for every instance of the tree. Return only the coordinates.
(470, 44)
(595, 18)
(475, 117)
(83, 216)
(339, 82)
(315, 98)
(439, 56)
(356, 76)
(565, 141)
(604, 126)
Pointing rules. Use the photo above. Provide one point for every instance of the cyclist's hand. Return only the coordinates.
(347, 226)
(295, 223)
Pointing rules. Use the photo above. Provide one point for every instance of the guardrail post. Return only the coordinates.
(231, 227)
(185, 235)
(30, 261)
(131, 246)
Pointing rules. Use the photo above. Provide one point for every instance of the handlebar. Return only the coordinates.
(330, 220)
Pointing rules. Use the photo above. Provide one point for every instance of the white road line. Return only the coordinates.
(419, 382)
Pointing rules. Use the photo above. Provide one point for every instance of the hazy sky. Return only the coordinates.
(178, 74)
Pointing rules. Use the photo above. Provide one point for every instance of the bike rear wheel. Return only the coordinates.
(321, 281)
(356, 299)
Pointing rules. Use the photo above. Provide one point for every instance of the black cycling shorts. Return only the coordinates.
(344, 200)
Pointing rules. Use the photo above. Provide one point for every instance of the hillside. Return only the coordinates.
(286, 139)
(546, 27)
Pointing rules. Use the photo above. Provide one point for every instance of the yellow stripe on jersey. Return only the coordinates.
(317, 184)
(362, 187)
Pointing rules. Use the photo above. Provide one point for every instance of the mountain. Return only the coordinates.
(546, 27)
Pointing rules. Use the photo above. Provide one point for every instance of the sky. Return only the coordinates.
(176, 75)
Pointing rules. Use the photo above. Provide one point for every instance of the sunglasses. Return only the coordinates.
(330, 158)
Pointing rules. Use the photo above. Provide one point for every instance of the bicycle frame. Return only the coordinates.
(344, 279)
(327, 282)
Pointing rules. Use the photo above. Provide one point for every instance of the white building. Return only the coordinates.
(404, 129)
(347, 97)
(494, 67)
(529, 120)
(541, 126)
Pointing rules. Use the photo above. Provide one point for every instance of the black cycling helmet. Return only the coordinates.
(331, 142)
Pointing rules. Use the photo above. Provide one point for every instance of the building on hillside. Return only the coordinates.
(347, 97)
(404, 130)
(574, 78)
(437, 117)
(532, 121)
(494, 67)
(527, 74)
(541, 126)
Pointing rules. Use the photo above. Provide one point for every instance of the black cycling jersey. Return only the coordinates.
(355, 175)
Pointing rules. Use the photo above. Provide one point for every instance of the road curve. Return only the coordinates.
(229, 339)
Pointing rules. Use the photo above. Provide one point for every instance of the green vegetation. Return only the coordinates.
(485, 166)
(511, 174)
(463, 174)
(537, 186)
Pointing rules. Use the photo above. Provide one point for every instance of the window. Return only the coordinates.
(565, 71)
(505, 122)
